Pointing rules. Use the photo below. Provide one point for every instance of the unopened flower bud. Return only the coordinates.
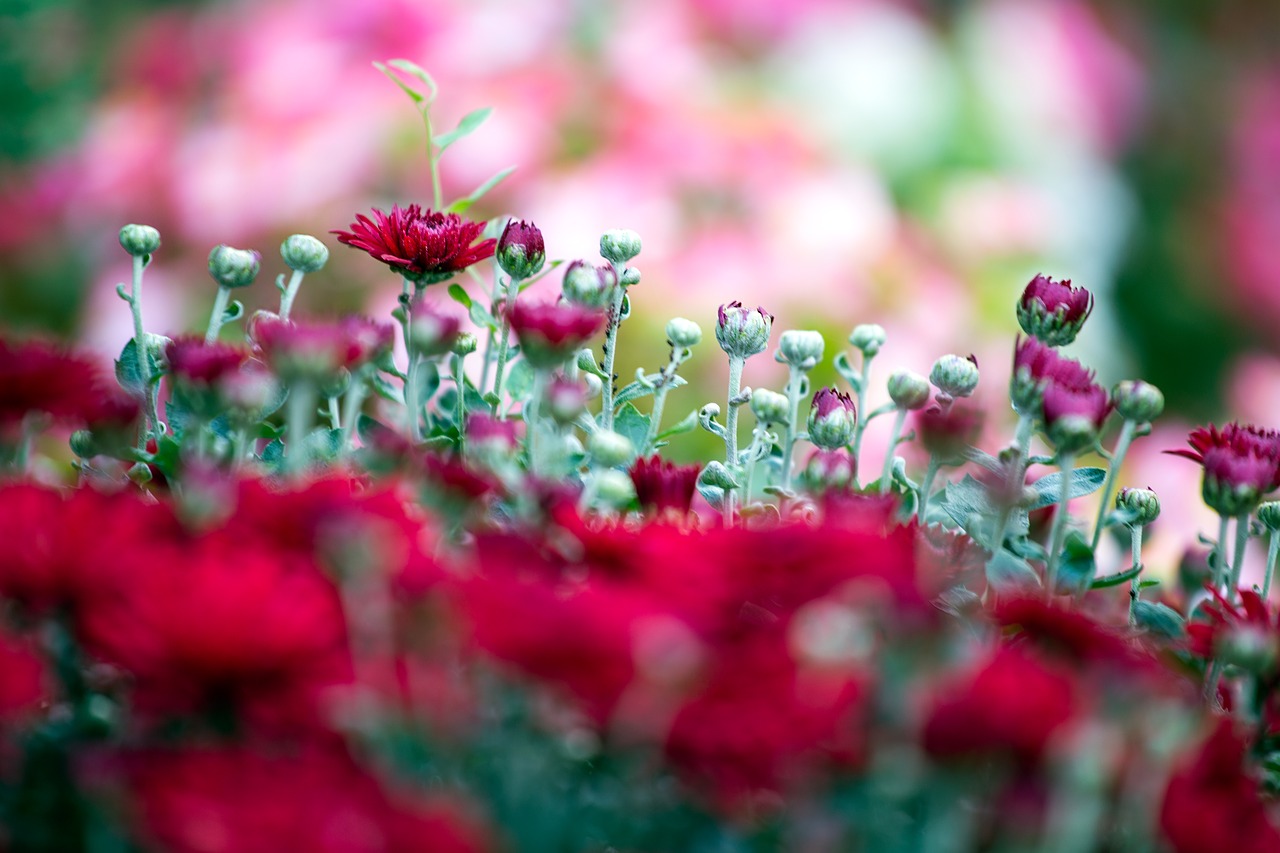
(521, 251)
(1269, 515)
(233, 267)
(304, 253)
(832, 419)
(802, 349)
(139, 240)
(1137, 401)
(619, 245)
(908, 390)
(743, 332)
(1053, 311)
(829, 469)
(1143, 504)
(769, 407)
(465, 344)
(140, 473)
(432, 333)
(630, 277)
(868, 337)
(566, 400)
(83, 444)
(1248, 646)
(609, 449)
(1073, 433)
(683, 333)
(955, 375)
(588, 285)
(614, 487)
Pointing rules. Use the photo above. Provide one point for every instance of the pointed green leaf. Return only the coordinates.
(519, 381)
(462, 204)
(1008, 574)
(1084, 481)
(1116, 579)
(686, 424)
(631, 423)
(466, 126)
(458, 295)
(1159, 619)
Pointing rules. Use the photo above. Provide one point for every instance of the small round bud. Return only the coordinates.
(521, 251)
(83, 444)
(139, 240)
(1249, 646)
(233, 267)
(683, 333)
(868, 337)
(609, 449)
(304, 253)
(743, 332)
(1073, 433)
(619, 245)
(1269, 515)
(769, 407)
(432, 333)
(588, 285)
(1137, 401)
(832, 419)
(630, 277)
(465, 344)
(140, 473)
(908, 390)
(954, 375)
(802, 349)
(1143, 504)
(614, 487)
(566, 400)
(829, 470)
(1053, 311)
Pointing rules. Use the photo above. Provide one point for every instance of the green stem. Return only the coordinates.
(290, 293)
(532, 420)
(219, 309)
(1117, 461)
(504, 347)
(1220, 551)
(610, 350)
(757, 437)
(433, 161)
(1066, 463)
(487, 358)
(1017, 474)
(894, 436)
(862, 408)
(1237, 559)
(351, 409)
(335, 417)
(1135, 586)
(239, 448)
(926, 488)
(731, 430)
(140, 353)
(412, 404)
(460, 410)
(1273, 550)
(795, 387)
(301, 405)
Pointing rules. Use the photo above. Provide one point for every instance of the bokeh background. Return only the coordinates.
(908, 163)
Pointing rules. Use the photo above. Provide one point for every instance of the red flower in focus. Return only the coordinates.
(1053, 311)
(1011, 703)
(1241, 464)
(244, 800)
(40, 378)
(425, 246)
(1213, 804)
(550, 333)
(662, 486)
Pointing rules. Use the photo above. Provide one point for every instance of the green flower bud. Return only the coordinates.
(83, 444)
(609, 449)
(908, 390)
(521, 251)
(1269, 515)
(802, 349)
(868, 337)
(1138, 401)
(465, 343)
(589, 286)
(1073, 433)
(954, 375)
(139, 240)
(140, 473)
(1248, 646)
(630, 277)
(769, 407)
(683, 333)
(233, 267)
(743, 332)
(614, 487)
(619, 245)
(832, 419)
(1144, 505)
(304, 253)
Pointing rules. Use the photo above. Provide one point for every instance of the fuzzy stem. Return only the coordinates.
(1135, 586)
(861, 425)
(290, 293)
(300, 406)
(894, 436)
(1273, 549)
(504, 347)
(433, 161)
(532, 413)
(610, 350)
(660, 400)
(731, 430)
(460, 410)
(1017, 474)
(219, 309)
(795, 385)
(351, 409)
(1237, 558)
(140, 352)
(335, 417)
(412, 404)
(926, 487)
(1066, 463)
(1220, 551)
(1117, 460)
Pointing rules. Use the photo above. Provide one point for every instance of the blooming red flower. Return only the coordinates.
(550, 333)
(662, 486)
(1213, 803)
(1241, 464)
(425, 246)
(1053, 311)
(40, 378)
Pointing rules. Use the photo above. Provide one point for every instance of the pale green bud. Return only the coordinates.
(619, 245)
(908, 390)
(304, 253)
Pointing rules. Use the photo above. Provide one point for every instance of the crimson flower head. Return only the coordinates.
(1053, 311)
(1245, 634)
(425, 246)
(41, 378)
(193, 361)
(1073, 416)
(743, 332)
(662, 486)
(550, 333)
(1037, 368)
(832, 419)
(1241, 464)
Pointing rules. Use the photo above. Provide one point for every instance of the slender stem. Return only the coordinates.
(239, 448)
(757, 437)
(731, 430)
(487, 359)
(335, 417)
(433, 161)
(1135, 586)
(1117, 461)
(610, 350)
(351, 409)
(1067, 464)
(460, 410)
(1273, 549)
(926, 488)
(862, 407)
(412, 404)
(1237, 559)
(290, 293)
(140, 351)
(532, 420)
(660, 399)
(219, 309)
(795, 386)
(504, 346)
(1017, 474)
(301, 405)
(408, 290)
(894, 436)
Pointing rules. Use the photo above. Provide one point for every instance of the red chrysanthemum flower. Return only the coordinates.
(40, 378)
(1245, 634)
(550, 332)
(1241, 464)
(425, 246)
(1042, 364)
(319, 350)
(662, 486)
(1053, 311)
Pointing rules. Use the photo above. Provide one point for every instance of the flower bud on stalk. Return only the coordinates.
(908, 390)
(550, 333)
(566, 400)
(1074, 417)
(799, 348)
(233, 268)
(683, 333)
(610, 449)
(613, 487)
(588, 285)
(947, 433)
(954, 375)
(1143, 505)
(1053, 311)
(828, 470)
(868, 338)
(769, 407)
(431, 332)
(619, 245)
(832, 418)
(1137, 401)
(304, 253)
(140, 241)
(743, 332)
(521, 251)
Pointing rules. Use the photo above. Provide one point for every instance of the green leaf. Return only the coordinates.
(127, 367)
(1159, 619)
(233, 312)
(686, 424)
(386, 390)
(965, 499)
(846, 370)
(1116, 579)
(273, 453)
(177, 416)
(587, 362)
(1008, 574)
(481, 317)
(634, 391)
(519, 381)
(631, 423)
(1076, 568)
(1084, 481)
(427, 378)
(986, 460)
(413, 70)
(458, 295)
(369, 429)
(461, 205)
(466, 126)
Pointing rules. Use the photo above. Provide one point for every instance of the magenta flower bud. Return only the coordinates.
(199, 370)
(551, 333)
(743, 332)
(832, 419)
(663, 487)
(491, 438)
(1053, 311)
(1073, 417)
(1241, 464)
(566, 399)
(521, 251)
(1035, 365)
(828, 470)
